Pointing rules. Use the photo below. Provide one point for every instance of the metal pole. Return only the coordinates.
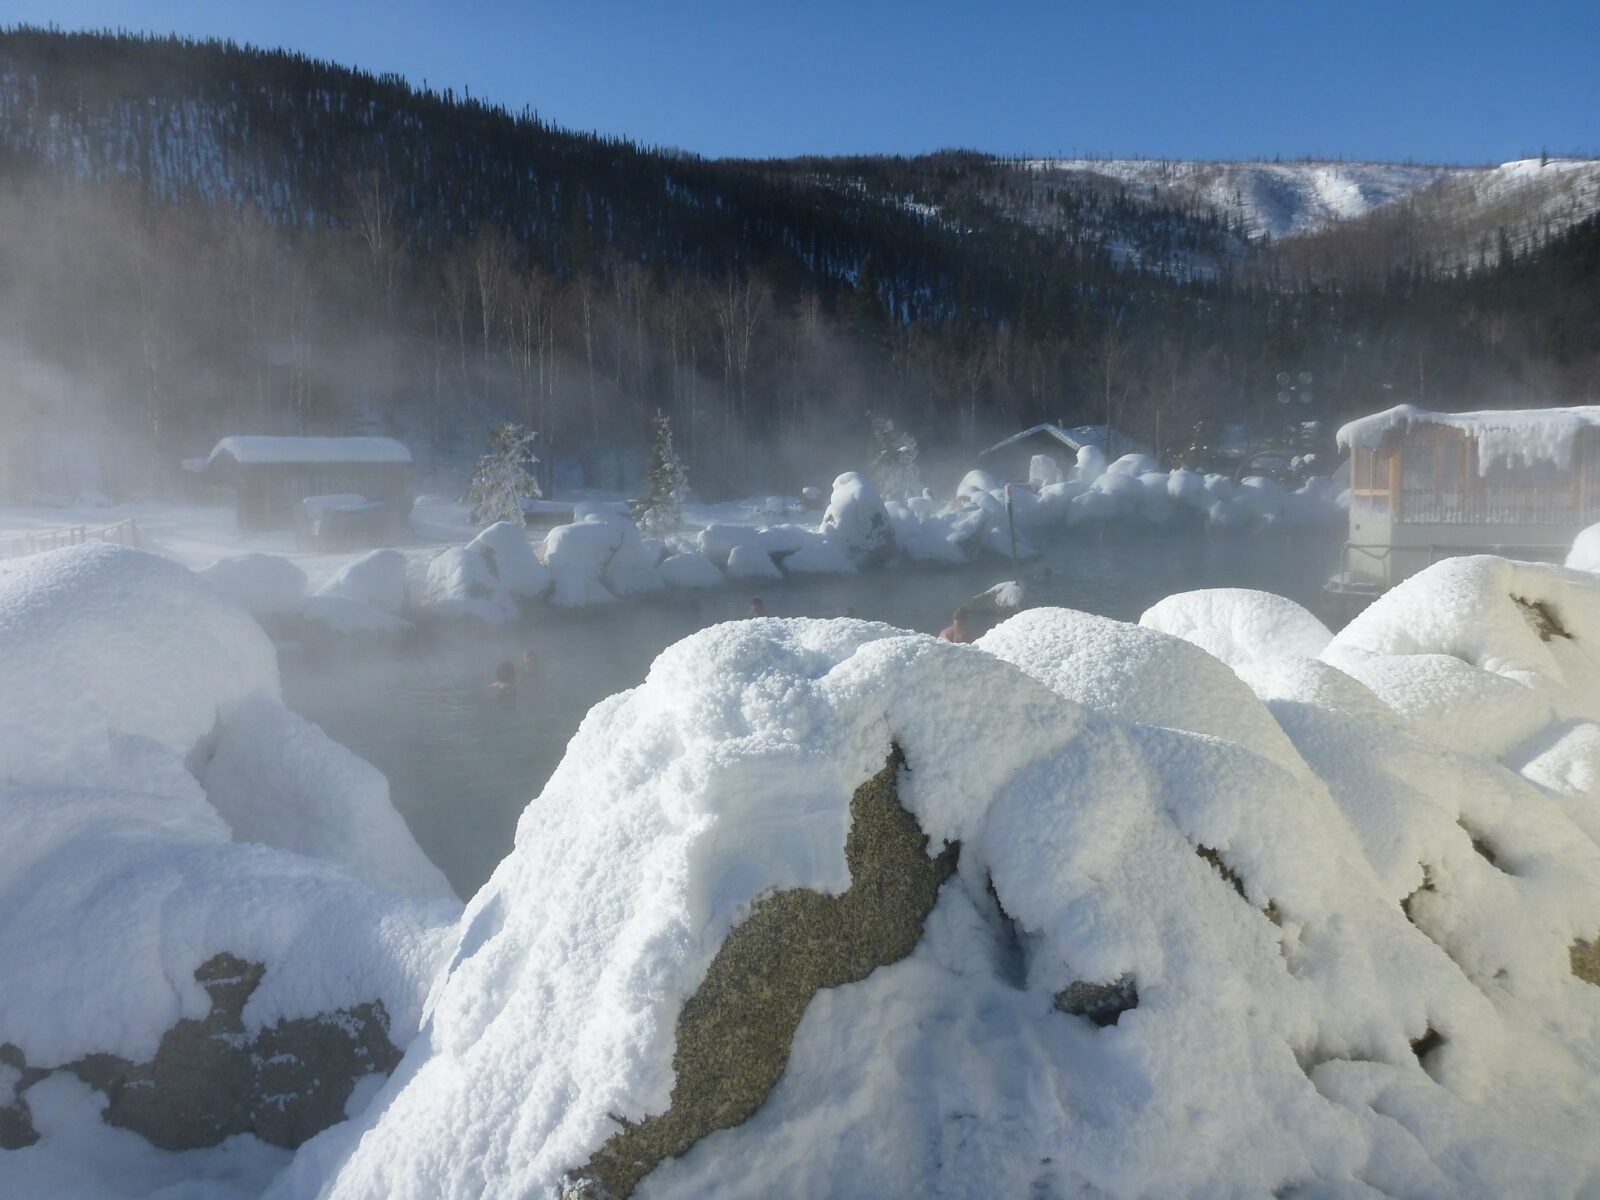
(1011, 525)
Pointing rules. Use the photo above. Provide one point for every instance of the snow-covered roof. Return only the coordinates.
(254, 450)
(1113, 441)
(1527, 435)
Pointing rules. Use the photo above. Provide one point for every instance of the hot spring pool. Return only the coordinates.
(463, 761)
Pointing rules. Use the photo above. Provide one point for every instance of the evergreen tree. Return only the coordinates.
(666, 483)
(504, 476)
(894, 460)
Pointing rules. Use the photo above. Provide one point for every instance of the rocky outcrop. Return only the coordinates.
(211, 1079)
(16, 1118)
(1586, 960)
(733, 1035)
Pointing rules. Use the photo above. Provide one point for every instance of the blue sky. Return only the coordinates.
(1467, 81)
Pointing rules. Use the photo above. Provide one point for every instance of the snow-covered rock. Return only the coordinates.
(345, 616)
(717, 541)
(264, 585)
(1309, 951)
(857, 523)
(751, 562)
(1090, 466)
(577, 555)
(1043, 471)
(1585, 552)
(509, 553)
(820, 558)
(1134, 466)
(377, 578)
(463, 583)
(631, 569)
(1238, 625)
(689, 571)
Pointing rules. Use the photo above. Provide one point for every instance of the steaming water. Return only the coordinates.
(463, 761)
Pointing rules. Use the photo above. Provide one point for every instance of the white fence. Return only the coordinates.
(123, 533)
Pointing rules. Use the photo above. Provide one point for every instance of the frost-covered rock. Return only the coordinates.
(264, 585)
(505, 547)
(857, 522)
(689, 571)
(1293, 949)
(463, 583)
(377, 578)
(1238, 625)
(751, 562)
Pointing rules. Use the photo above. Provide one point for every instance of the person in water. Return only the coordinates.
(957, 630)
(758, 607)
(505, 679)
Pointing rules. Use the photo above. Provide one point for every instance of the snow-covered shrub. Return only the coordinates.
(264, 585)
(894, 460)
(1238, 625)
(857, 523)
(377, 578)
(509, 553)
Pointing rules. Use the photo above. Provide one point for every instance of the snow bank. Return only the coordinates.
(264, 585)
(105, 648)
(277, 779)
(377, 578)
(1238, 625)
(1503, 436)
(1254, 958)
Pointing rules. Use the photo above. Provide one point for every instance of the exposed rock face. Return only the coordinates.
(1102, 1003)
(16, 1119)
(210, 1080)
(1586, 960)
(734, 1034)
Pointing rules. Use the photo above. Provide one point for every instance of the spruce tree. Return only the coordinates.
(666, 483)
(504, 476)
(894, 460)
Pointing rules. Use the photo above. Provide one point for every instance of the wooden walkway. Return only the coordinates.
(123, 533)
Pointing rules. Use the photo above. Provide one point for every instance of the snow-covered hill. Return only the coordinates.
(1284, 199)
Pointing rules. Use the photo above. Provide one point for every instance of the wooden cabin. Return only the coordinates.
(1008, 460)
(1429, 485)
(272, 477)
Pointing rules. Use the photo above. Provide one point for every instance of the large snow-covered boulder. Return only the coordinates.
(857, 523)
(509, 553)
(632, 567)
(211, 922)
(1043, 471)
(1239, 625)
(1091, 464)
(717, 541)
(1169, 929)
(751, 562)
(377, 578)
(577, 555)
(264, 585)
(463, 583)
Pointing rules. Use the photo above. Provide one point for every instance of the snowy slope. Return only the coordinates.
(1283, 199)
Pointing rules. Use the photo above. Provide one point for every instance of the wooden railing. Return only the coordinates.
(122, 533)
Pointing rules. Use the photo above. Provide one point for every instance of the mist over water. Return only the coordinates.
(463, 760)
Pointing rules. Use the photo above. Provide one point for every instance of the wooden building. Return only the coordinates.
(1008, 460)
(273, 477)
(1428, 485)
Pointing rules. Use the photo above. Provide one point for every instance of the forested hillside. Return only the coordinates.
(198, 239)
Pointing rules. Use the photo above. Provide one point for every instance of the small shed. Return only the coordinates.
(271, 477)
(1429, 485)
(1009, 459)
